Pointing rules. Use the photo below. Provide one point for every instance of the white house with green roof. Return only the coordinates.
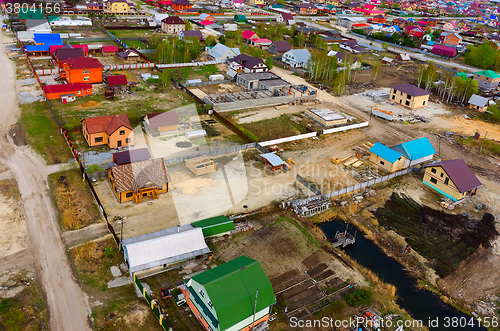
(487, 79)
(223, 298)
(215, 226)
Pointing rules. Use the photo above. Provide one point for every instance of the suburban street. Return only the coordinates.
(67, 304)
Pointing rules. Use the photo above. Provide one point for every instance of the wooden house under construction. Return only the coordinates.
(139, 180)
(200, 165)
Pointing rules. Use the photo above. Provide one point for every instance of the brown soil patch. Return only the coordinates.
(89, 104)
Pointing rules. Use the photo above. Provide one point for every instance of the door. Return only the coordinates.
(119, 143)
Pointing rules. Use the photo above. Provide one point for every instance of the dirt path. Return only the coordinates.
(67, 304)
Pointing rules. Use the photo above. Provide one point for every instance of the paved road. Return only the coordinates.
(66, 302)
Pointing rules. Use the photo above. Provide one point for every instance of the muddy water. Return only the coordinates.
(420, 304)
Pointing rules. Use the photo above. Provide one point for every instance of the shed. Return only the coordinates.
(387, 60)
(215, 226)
(200, 165)
(478, 103)
(402, 58)
(156, 124)
(163, 248)
(196, 134)
(116, 83)
(326, 117)
(240, 18)
(386, 158)
(109, 50)
(273, 160)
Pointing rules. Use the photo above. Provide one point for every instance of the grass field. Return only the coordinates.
(279, 127)
(73, 199)
(43, 132)
(202, 72)
(25, 311)
(135, 44)
(130, 33)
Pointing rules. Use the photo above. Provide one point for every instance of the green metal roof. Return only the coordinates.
(462, 75)
(232, 287)
(488, 73)
(31, 13)
(214, 225)
(52, 18)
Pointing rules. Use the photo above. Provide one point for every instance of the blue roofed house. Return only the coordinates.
(402, 156)
(296, 58)
(43, 41)
(221, 52)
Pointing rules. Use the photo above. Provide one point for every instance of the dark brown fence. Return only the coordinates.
(232, 127)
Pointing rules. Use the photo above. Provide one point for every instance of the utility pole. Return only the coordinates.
(439, 149)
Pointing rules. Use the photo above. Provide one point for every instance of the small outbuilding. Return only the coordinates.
(217, 226)
(478, 103)
(157, 124)
(129, 56)
(240, 18)
(200, 165)
(274, 161)
(326, 117)
(116, 83)
(109, 50)
(402, 58)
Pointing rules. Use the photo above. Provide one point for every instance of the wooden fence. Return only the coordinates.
(233, 127)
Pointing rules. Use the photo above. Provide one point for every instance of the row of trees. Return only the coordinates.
(173, 50)
(451, 88)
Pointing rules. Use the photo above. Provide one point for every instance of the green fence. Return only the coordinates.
(152, 303)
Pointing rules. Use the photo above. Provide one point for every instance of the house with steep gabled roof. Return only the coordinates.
(236, 295)
(139, 180)
(279, 47)
(409, 96)
(451, 178)
(286, 18)
(113, 130)
(221, 52)
(248, 64)
(296, 58)
(172, 25)
(248, 35)
(82, 70)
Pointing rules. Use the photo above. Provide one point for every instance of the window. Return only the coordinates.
(88, 71)
(210, 304)
(423, 104)
(83, 70)
(408, 96)
(407, 103)
(128, 140)
(446, 181)
(434, 180)
(122, 132)
(98, 139)
(202, 293)
(382, 162)
(401, 93)
(86, 79)
(129, 194)
(433, 170)
(79, 92)
(393, 97)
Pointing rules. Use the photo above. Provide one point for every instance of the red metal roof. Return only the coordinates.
(84, 63)
(62, 88)
(110, 48)
(84, 47)
(117, 80)
(108, 124)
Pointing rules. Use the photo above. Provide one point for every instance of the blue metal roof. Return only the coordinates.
(415, 149)
(48, 39)
(385, 152)
(37, 48)
(274, 159)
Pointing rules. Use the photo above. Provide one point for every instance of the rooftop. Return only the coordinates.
(327, 114)
(459, 173)
(410, 89)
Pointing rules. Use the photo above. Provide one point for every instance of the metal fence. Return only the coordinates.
(310, 186)
(152, 303)
(287, 139)
(299, 71)
(47, 72)
(209, 82)
(346, 128)
(215, 152)
(188, 64)
(129, 66)
(369, 183)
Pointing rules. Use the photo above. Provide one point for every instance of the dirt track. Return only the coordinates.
(67, 304)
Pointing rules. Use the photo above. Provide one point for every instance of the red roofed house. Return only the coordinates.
(414, 31)
(114, 131)
(82, 70)
(369, 10)
(172, 25)
(379, 19)
(109, 50)
(66, 90)
(65, 53)
(444, 51)
(450, 26)
(116, 83)
(180, 5)
(248, 36)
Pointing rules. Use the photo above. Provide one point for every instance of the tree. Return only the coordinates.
(482, 56)
(377, 70)
(437, 33)
(385, 46)
(395, 5)
(269, 63)
(428, 30)
(164, 78)
(188, 25)
(222, 39)
(210, 40)
(154, 41)
(321, 66)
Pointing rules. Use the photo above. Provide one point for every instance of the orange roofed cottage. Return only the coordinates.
(82, 70)
(114, 131)
(138, 180)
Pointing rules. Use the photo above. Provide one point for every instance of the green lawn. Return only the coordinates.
(130, 33)
(202, 72)
(135, 44)
(279, 127)
(43, 132)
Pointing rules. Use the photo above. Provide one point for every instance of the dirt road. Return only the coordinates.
(67, 304)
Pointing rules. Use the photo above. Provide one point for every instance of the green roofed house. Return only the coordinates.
(30, 14)
(463, 75)
(215, 226)
(240, 18)
(223, 298)
(487, 79)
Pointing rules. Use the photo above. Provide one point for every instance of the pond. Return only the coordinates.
(419, 303)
